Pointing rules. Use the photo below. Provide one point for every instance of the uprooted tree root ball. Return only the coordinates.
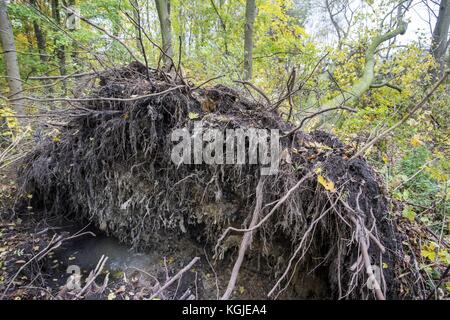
(321, 227)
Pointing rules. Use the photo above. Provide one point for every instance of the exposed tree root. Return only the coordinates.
(111, 164)
(246, 240)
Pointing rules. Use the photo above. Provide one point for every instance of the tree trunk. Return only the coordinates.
(364, 83)
(10, 53)
(40, 38)
(439, 43)
(41, 43)
(60, 49)
(74, 53)
(137, 18)
(163, 8)
(250, 15)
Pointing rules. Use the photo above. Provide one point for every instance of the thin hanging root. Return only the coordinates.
(297, 250)
(246, 240)
(371, 235)
(366, 258)
(361, 229)
(364, 249)
(267, 216)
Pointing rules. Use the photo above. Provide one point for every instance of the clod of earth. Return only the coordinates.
(323, 228)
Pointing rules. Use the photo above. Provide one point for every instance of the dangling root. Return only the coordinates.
(246, 240)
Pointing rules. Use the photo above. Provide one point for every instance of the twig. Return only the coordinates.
(172, 63)
(175, 277)
(314, 115)
(276, 104)
(444, 275)
(215, 274)
(75, 75)
(415, 174)
(218, 14)
(54, 243)
(290, 86)
(386, 84)
(94, 274)
(205, 82)
(141, 44)
(99, 98)
(251, 85)
(102, 30)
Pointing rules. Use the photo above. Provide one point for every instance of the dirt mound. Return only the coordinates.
(323, 225)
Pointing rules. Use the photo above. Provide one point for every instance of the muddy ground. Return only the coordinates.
(131, 275)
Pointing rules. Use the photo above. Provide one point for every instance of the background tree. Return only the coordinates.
(59, 42)
(250, 15)
(440, 40)
(163, 8)
(10, 55)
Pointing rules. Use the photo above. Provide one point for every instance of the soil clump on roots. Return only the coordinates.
(320, 228)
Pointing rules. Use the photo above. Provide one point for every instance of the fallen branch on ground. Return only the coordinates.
(174, 278)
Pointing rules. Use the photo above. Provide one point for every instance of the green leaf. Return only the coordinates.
(409, 214)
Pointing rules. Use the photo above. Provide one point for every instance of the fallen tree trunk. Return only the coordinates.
(112, 164)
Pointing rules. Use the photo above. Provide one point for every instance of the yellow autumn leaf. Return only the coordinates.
(428, 251)
(415, 141)
(193, 115)
(327, 184)
(428, 254)
(444, 256)
(241, 290)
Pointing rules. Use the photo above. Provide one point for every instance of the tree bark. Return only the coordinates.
(440, 42)
(74, 53)
(137, 28)
(364, 83)
(10, 53)
(250, 15)
(60, 49)
(163, 8)
(40, 37)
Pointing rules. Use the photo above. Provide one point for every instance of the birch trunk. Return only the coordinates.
(10, 55)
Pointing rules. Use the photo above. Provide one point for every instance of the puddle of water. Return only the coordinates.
(87, 252)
